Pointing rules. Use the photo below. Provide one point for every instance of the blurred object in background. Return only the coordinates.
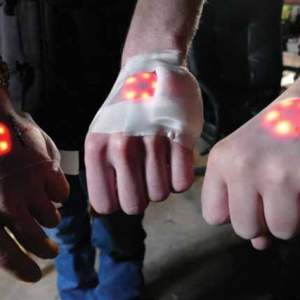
(236, 57)
(290, 27)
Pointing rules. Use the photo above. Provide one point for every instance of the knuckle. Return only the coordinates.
(215, 153)
(245, 233)
(158, 196)
(282, 230)
(91, 145)
(134, 209)
(220, 154)
(182, 185)
(242, 161)
(214, 218)
(276, 171)
(286, 235)
(276, 176)
(281, 234)
(120, 144)
(94, 150)
(225, 153)
(104, 208)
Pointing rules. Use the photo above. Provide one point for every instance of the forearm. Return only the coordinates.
(158, 25)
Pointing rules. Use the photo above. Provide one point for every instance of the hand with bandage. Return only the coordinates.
(139, 145)
(253, 175)
(30, 180)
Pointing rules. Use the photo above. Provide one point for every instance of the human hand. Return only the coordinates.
(252, 177)
(30, 180)
(139, 146)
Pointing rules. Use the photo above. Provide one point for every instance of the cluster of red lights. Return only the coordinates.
(283, 119)
(5, 140)
(139, 87)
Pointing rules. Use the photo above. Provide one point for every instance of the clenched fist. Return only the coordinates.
(30, 180)
(253, 175)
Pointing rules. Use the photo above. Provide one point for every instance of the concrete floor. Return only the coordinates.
(186, 259)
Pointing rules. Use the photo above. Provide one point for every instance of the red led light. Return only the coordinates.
(5, 140)
(140, 87)
(283, 119)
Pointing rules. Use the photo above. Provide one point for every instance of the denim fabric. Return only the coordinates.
(120, 239)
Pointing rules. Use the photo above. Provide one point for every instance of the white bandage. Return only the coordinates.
(174, 109)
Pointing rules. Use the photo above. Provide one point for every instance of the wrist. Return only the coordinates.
(158, 25)
(171, 55)
(6, 107)
(132, 49)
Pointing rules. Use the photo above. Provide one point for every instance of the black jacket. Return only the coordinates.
(64, 56)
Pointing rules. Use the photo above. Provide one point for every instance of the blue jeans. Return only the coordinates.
(120, 239)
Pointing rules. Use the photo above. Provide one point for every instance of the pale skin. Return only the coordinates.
(252, 179)
(168, 167)
(126, 173)
(29, 185)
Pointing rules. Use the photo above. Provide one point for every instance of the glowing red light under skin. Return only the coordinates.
(282, 120)
(140, 86)
(5, 140)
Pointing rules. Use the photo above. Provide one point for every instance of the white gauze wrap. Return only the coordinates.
(175, 110)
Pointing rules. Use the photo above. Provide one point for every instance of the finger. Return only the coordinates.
(157, 168)
(281, 209)
(15, 261)
(51, 147)
(56, 185)
(101, 180)
(30, 235)
(128, 161)
(182, 174)
(245, 209)
(42, 209)
(214, 198)
(262, 242)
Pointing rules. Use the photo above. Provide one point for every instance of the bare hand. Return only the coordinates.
(30, 180)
